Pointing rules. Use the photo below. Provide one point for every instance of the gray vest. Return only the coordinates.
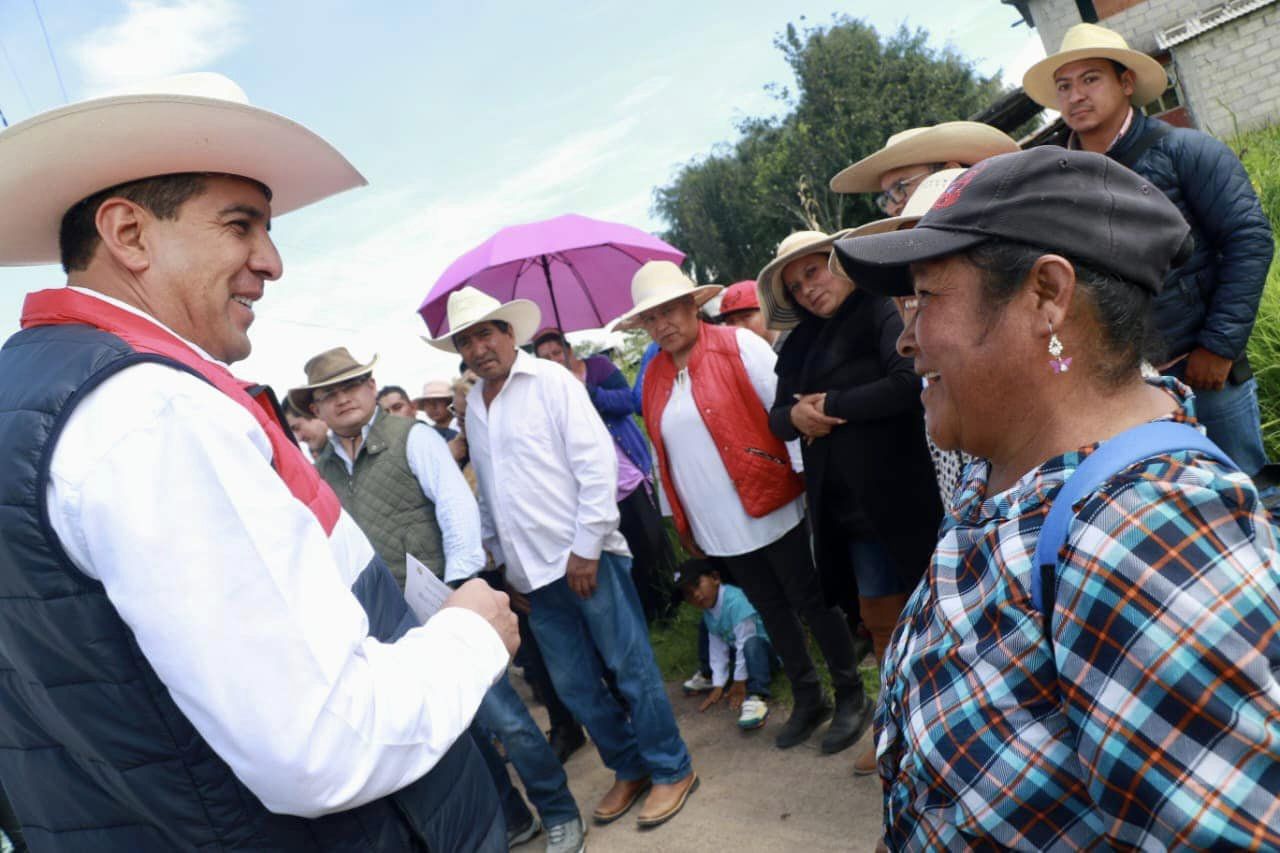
(385, 498)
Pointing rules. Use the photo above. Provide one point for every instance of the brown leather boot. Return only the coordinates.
(665, 801)
(621, 797)
(880, 615)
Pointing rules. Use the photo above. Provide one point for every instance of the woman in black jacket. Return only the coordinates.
(854, 402)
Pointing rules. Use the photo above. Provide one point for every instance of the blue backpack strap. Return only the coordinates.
(1111, 457)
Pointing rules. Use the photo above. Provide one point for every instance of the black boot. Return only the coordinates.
(802, 722)
(853, 713)
(566, 740)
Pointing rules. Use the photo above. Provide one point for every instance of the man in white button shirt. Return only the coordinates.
(397, 478)
(184, 663)
(548, 476)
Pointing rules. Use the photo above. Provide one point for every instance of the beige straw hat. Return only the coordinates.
(657, 283)
(468, 307)
(963, 142)
(1090, 41)
(189, 123)
(434, 389)
(779, 311)
(331, 367)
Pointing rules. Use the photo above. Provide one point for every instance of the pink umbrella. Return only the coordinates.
(578, 270)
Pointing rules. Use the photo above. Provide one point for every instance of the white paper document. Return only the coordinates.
(425, 592)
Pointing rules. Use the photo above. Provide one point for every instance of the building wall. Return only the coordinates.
(1228, 71)
(1229, 74)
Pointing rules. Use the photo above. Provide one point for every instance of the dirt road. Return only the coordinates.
(753, 797)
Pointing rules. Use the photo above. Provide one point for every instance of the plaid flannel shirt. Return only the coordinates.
(1151, 721)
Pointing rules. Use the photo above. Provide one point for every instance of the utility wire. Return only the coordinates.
(4, 122)
(49, 45)
(14, 71)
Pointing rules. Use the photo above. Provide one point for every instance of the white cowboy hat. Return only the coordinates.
(468, 307)
(779, 311)
(190, 123)
(912, 212)
(659, 282)
(1090, 41)
(963, 142)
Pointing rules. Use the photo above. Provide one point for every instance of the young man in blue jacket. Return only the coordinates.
(1207, 307)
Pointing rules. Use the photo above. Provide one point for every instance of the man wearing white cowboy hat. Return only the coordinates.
(733, 493)
(548, 476)
(908, 156)
(185, 663)
(1206, 309)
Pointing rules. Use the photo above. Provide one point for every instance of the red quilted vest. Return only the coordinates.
(755, 458)
(63, 305)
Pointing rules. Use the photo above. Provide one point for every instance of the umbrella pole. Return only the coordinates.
(551, 291)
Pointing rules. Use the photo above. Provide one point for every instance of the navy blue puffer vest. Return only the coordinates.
(94, 753)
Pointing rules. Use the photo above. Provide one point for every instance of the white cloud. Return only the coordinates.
(157, 38)
(362, 292)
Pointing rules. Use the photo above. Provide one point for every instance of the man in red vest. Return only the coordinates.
(198, 647)
(733, 493)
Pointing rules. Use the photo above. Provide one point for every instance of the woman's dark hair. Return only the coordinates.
(1126, 330)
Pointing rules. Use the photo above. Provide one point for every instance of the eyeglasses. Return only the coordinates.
(897, 192)
(322, 394)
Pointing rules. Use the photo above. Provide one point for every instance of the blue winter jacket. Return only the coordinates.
(1212, 300)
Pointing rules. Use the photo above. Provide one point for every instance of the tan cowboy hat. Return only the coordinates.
(190, 123)
(912, 212)
(1090, 41)
(331, 367)
(657, 283)
(779, 311)
(467, 307)
(434, 389)
(963, 142)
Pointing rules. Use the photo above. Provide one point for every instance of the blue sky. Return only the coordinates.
(464, 118)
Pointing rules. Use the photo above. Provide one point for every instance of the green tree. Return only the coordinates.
(852, 90)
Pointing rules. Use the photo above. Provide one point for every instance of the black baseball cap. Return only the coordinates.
(1075, 203)
(688, 572)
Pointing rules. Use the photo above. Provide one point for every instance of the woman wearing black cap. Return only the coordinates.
(1092, 660)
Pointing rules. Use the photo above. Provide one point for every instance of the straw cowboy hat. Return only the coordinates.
(963, 142)
(657, 283)
(779, 311)
(1090, 41)
(916, 207)
(468, 307)
(435, 389)
(331, 367)
(190, 123)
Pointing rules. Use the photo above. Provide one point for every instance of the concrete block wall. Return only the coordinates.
(1228, 71)
(1229, 74)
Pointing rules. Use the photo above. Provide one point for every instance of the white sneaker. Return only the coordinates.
(520, 835)
(698, 684)
(567, 837)
(754, 712)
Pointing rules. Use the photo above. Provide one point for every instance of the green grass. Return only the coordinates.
(1260, 151)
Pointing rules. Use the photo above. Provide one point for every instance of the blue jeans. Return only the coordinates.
(874, 570)
(761, 661)
(1234, 423)
(502, 713)
(611, 621)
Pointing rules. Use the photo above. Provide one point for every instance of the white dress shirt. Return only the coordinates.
(720, 524)
(441, 480)
(547, 472)
(162, 488)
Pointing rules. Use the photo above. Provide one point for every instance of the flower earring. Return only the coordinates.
(1057, 363)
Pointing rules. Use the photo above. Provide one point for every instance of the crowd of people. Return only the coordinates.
(969, 438)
